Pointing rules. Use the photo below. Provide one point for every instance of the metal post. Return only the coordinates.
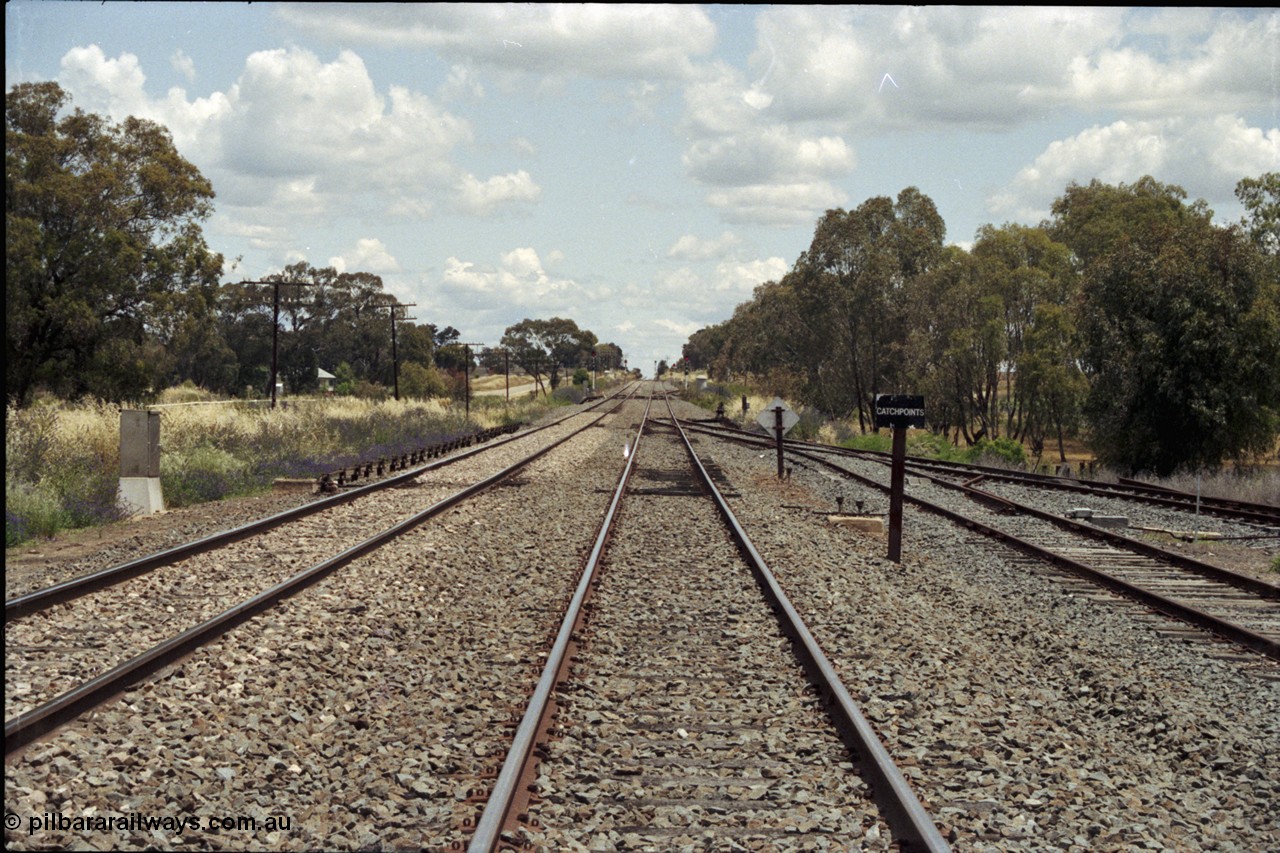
(506, 371)
(895, 492)
(777, 428)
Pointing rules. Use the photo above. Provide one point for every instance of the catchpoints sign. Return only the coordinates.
(899, 410)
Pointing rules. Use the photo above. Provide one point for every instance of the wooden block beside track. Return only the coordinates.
(285, 484)
(864, 523)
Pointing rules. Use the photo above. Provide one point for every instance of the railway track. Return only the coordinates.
(75, 645)
(685, 702)
(1237, 608)
(376, 708)
(1134, 491)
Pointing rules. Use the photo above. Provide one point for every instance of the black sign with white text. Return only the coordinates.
(899, 410)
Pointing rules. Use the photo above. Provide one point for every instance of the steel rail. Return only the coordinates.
(1208, 570)
(1227, 630)
(25, 728)
(69, 590)
(1126, 490)
(1250, 584)
(1254, 513)
(499, 810)
(910, 823)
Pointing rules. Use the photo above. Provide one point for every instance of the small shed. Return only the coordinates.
(326, 380)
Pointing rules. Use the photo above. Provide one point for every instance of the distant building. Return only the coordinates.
(326, 380)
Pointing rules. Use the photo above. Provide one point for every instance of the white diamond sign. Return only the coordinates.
(768, 418)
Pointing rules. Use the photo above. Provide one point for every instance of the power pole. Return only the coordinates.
(466, 370)
(396, 307)
(275, 326)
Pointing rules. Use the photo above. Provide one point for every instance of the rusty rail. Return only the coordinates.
(25, 728)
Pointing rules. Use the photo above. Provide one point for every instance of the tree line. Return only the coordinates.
(1128, 318)
(112, 291)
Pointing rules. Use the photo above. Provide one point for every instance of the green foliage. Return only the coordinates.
(999, 451)
(1261, 200)
(544, 347)
(581, 376)
(1275, 564)
(31, 512)
(1181, 338)
(62, 466)
(1129, 317)
(879, 442)
(422, 383)
(108, 279)
(202, 473)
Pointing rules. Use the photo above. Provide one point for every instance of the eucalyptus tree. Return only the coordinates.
(1026, 270)
(105, 259)
(956, 345)
(1180, 329)
(541, 347)
(852, 283)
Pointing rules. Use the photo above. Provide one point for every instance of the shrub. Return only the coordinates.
(201, 474)
(31, 512)
(999, 451)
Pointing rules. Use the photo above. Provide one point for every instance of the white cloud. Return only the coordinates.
(591, 40)
(184, 65)
(369, 255)
(1206, 157)
(779, 204)
(483, 197)
(683, 330)
(519, 281)
(743, 277)
(105, 85)
(692, 248)
(767, 155)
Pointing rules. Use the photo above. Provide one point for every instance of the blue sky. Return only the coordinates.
(640, 169)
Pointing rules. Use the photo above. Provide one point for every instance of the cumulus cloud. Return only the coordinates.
(1206, 157)
(767, 155)
(184, 65)
(518, 280)
(776, 204)
(483, 197)
(569, 40)
(692, 248)
(369, 255)
(743, 277)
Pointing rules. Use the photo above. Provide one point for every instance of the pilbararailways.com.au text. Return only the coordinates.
(56, 821)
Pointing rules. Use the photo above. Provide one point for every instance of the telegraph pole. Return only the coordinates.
(275, 326)
(466, 371)
(396, 307)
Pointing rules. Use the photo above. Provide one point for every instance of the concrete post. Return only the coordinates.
(140, 492)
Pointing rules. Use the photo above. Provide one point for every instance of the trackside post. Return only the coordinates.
(898, 412)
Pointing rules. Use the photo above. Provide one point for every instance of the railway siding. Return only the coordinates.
(1024, 716)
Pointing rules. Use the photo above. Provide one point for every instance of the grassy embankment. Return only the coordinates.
(62, 461)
